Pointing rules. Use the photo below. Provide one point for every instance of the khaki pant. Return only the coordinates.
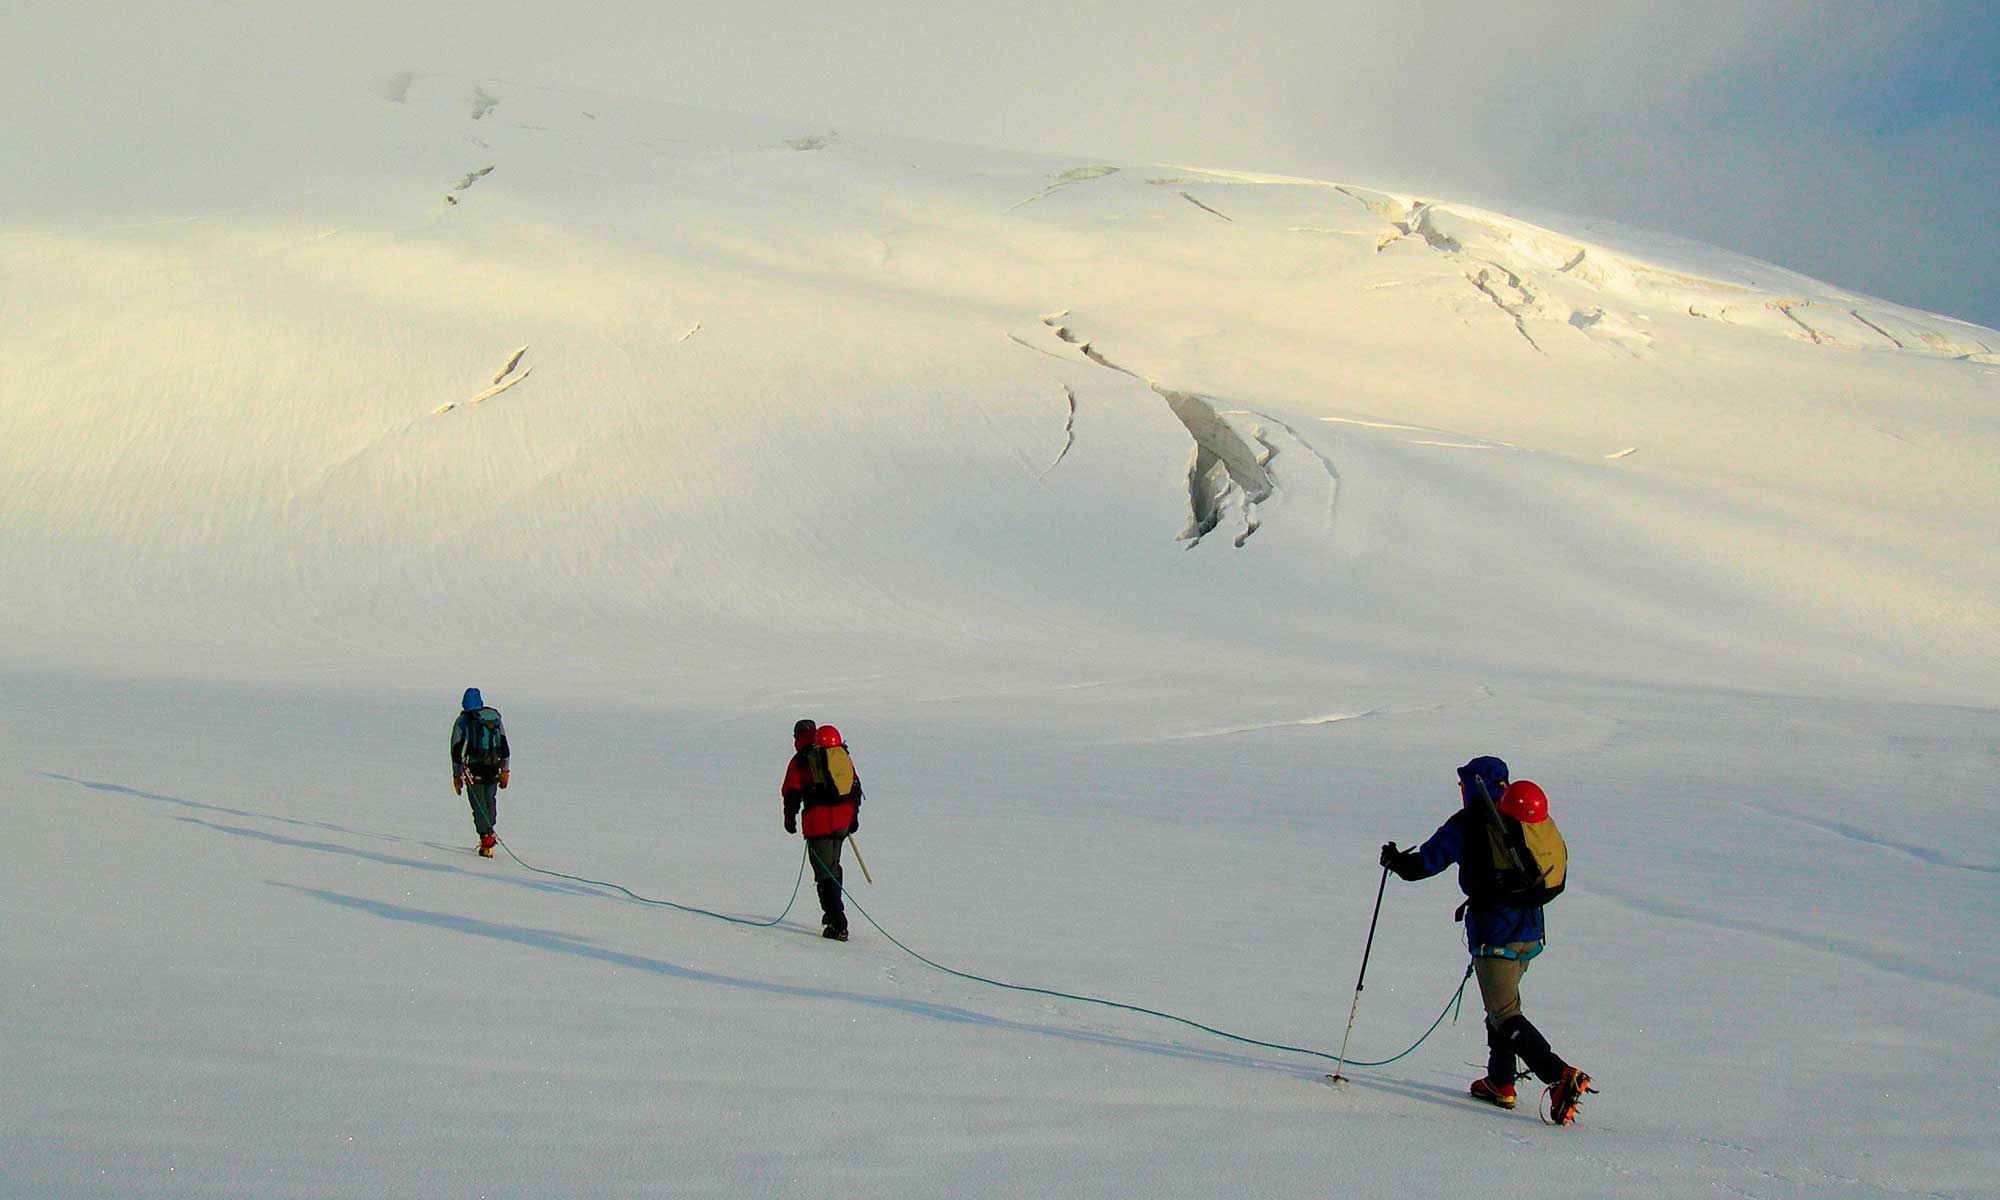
(1500, 984)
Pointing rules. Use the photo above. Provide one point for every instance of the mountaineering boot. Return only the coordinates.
(1499, 1095)
(836, 933)
(486, 843)
(1565, 1096)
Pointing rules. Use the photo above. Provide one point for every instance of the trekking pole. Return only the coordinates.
(1337, 1077)
(859, 859)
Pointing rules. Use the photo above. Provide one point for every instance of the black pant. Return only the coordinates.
(826, 878)
(1517, 1036)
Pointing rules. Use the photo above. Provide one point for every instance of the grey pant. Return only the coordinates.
(485, 801)
(826, 879)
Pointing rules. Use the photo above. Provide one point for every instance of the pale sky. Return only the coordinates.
(1854, 141)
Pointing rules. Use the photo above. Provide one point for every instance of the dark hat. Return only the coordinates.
(802, 727)
(1487, 770)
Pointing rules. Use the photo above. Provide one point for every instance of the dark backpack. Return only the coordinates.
(1514, 865)
(484, 742)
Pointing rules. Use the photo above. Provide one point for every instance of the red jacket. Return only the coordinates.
(827, 813)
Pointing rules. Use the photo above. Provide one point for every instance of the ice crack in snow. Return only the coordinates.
(1069, 429)
(1515, 300)
(1224, 464)
(1073, 176)
(1893, 339)
(1788, 308)
(513, 360)
(501, 382)
(1203, 207)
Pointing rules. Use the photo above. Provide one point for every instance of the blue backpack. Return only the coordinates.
(483, 740)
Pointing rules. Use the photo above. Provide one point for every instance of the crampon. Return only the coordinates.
(1562, 1099)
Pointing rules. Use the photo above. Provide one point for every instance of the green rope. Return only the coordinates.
(1450, 1008)
(686, 908)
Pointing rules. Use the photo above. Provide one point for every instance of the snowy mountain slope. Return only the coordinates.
(668, 352)
(1161, 536)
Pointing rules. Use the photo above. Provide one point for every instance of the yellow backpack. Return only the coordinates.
(831, 765)
(834, 767)
(1526, 861)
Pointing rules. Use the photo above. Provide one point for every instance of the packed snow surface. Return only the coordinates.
(1160, 536)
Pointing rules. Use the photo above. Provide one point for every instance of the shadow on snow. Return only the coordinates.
(562, 943)
(570, 944)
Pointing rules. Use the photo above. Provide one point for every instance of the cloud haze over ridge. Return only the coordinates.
(1854, 141)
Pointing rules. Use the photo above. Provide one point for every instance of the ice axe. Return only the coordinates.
(1337, 1077)
(858, 859)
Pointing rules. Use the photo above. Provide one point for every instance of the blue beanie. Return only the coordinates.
(1488, 770)
(472, 703)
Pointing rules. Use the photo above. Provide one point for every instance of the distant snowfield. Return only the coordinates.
(1161, 536)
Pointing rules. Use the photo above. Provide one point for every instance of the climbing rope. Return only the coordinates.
(686, 908)
(1451, 1008)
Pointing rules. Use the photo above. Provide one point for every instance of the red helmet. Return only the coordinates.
(1524, 802)
(827, 737)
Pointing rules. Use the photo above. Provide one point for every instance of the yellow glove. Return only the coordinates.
(503, 777)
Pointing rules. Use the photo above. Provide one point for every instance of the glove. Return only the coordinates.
(458, 785)
(791, 824)
(503, 777)
(1390, 854)
(855, 826)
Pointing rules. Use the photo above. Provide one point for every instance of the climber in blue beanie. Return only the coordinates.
(479, 764)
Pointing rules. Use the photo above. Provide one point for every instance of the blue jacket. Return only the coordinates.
(1488, 927)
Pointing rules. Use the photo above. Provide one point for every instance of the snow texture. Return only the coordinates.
(1159, 536)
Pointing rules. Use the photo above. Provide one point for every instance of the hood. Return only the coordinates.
(472, 702)
(1487, 770)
